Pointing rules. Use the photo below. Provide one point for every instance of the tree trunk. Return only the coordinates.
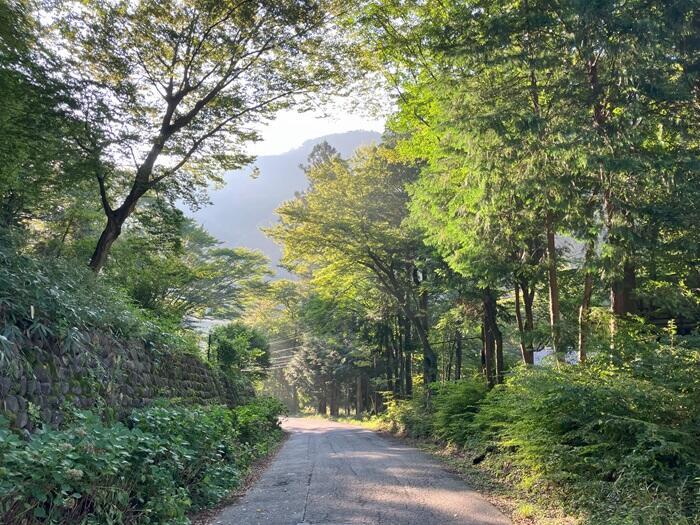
(448, 372)
(430, 362)
(334, 399)
(64, 236)
(388, 354)
(322, 405)
(378, 402)
(110, 234)
(398, 368)
(585, 308)
(366, 397)
(398, 342)
(489, 355)
(483, 347)
(408, 357)
(622, 300)
(401, 379)
(429, 356)
(525, 345)
(117, 217)
(500, 365)
(621, 290)
(409, 373)
(554, 310)
(529, 300)
(458, 355)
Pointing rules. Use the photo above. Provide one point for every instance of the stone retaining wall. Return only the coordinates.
(42, 380)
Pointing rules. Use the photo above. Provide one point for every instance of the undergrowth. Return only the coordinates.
(160, 464)
(614, 442)
(43, 298)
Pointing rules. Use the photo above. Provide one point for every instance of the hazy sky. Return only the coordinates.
(290, 129)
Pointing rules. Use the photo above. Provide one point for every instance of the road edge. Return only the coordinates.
(255, 471)
(521, 511)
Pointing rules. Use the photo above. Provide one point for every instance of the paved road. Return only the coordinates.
(334, 474)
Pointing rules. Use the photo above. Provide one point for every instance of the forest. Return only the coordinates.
(512, 273)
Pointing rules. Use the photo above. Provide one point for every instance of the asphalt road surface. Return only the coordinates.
(335, 474)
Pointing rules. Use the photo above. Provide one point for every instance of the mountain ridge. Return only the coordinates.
(246, 204)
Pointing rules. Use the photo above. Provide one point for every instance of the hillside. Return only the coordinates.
(245, 204)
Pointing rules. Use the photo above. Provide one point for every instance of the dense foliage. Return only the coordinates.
(48, 298)
(157, 466)
(617, 444)
(54, 296)
(534, 200)
(76, 116)
(239, 347)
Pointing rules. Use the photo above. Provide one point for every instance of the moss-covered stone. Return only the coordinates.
(109, 374)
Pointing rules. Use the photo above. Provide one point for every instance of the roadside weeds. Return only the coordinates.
(500, 492)
(256, 469)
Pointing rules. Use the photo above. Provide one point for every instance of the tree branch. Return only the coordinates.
(103, 195)
(200, 140)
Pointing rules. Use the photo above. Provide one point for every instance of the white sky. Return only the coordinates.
(290, 129)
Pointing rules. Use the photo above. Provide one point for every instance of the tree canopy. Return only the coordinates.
(168, 92)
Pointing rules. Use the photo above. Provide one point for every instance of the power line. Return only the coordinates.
(285, 354)
(283, 349)
(289, 351)
(281, 361)
(276, 367)
(278, 350)
(283, 340)
(286, 351)
(282, 357)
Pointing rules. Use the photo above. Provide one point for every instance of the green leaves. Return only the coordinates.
(169, 95)
(65, 299)
(185, 272)
(617, 446)
(169, 460)
(258, 420)
(615, 442)
(238, 347)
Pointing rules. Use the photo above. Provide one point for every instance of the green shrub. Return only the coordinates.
(238, 346)
(166, 461)
(622, 448)
(258, 423)
(199, 444)
(88, 473)
(63, 299)
(454, 407)
(618, 439)
(411, 417)
(443, 413)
